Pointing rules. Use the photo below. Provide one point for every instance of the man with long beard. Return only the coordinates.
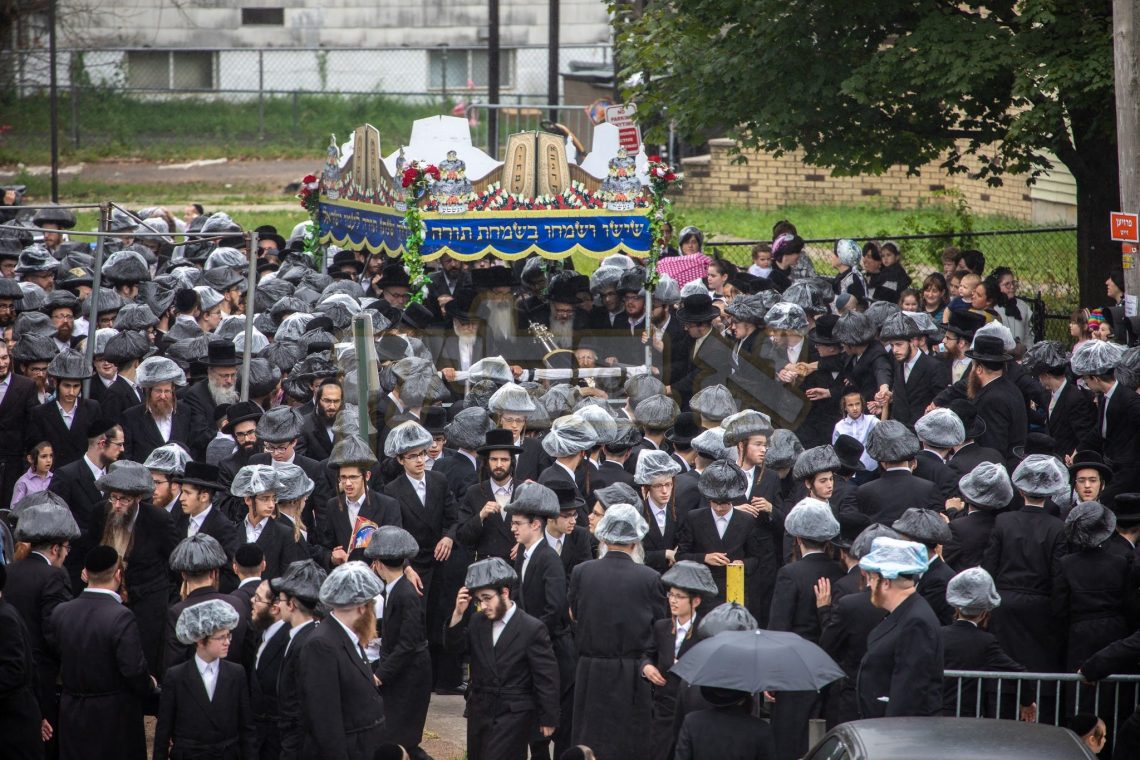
(497, 308)
(341, 708)
(219, 387)
(157, 421)
(317, 427)
(144, 536)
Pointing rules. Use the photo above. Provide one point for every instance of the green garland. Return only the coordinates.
(661, 176)
(416, 179)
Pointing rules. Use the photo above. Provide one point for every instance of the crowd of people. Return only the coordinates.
(538, 495)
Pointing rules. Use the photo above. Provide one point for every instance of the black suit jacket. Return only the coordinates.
(970, 534)
(709, 366)
(1073, 421)
(427, 522)
(872, 371)
(929, 466)
(531, 461)
(15, 414)
(20, 713)
(35, 588)
(188, 716)
(315, 435)
(324, 488)
(75, 484)
(932, 586)
(793, 599)
(265, 674)
(910, 397)
(743, 540)
(460, 474)
(333, 528)
(1002, 406)
(342, 710)
(276, 542)
(609, 473)
(577, 547)
(403, 635)
(967, 647)
(543, 591)
(1122, 430)
(68, 444)
(141, 432)
(726, 733)
(199, 405)
(289, 706)
(487, 538)
(893, 492)
(656, 541)
(903, 663)
(119, 397)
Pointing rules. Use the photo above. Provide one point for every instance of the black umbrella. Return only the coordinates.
(755, 661)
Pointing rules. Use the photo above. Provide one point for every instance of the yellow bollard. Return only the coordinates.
(734, 583)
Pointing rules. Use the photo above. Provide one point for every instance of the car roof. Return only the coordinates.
(960, 739)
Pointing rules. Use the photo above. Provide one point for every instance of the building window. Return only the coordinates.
(453, 69)
(170, 69)
(263, 17)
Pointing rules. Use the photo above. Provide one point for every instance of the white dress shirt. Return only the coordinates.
(293, 633)
(722, 522)
(503, 493)
(253, 532)
(209, 673)
(910, 365)
(353, 508)
(197, 520)
(106, 592)
(1107, 398)
(1056, 395)
(658, 515)
(527, 553)
(420, 487)
(4, 385)
(466, 351)
(68, 417)
(682, 632)
(498, 626)
(164, 425)
(97, 472)
(555, 543)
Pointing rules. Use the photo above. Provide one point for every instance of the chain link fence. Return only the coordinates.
(1044, 261)
(279, 95)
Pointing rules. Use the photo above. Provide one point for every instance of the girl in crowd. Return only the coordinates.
(39, 474)
(935, 295)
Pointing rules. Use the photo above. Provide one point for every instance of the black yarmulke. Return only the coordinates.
(249, 555)
(100, 559)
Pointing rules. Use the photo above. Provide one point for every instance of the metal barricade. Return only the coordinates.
(1065, 693)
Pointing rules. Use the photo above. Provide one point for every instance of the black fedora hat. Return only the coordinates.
(850, 453)
(269, 232)
(200, 474)
(685, 429)
(697, 308)
(461, 305)
(1035, 443)
(563, 291)
(345, 259)
(1090, 460)
(433, 419)
(393, 276)
(1127, 509)
(567, 494)
(492, 277)
(222, 354)
(823, 332)
(500, 439)
(417, 316)
(968, 413)
(391, 348)
(989, 348)
(964, 323)
(242, 411)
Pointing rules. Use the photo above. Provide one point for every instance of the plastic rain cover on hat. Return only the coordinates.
(198, 554)
(640, 387)
(1045, 354)
(391, 544)
(158, 369)
(616, 493)
(739, 427)
(898, 326)
(302, 580)
(940, 428)
(199, 621)
(1089, 525)
(710, 444)
(350, 584)
(973, 592)
(690, 576)
(569, 435)
(723, 481)
(169, 458)
(46, 521)
(1040, 476)
(814, 461)
(352, 450)
(923, 525)
(861, 546)
(786, 316)
(39, 497)
(854, 329)
(892, 557)
(128, 477)
(254, 479)
(622, 525)
(668, 291)
(656, 412)
(69, 364)
(468, 429)
(729, 616)
(999, 330)
(891, 441)
(534, 499)
(492, 572)
(652, 465)
(279, 425)
(987, 485)
(405, 437)
(784, 448)
(510, 398)
(1095, 357)
(494, 368)
(1128, 368)
(812, 520)
(713, 403)
(599, 418)
(292, 482)
(748, 308)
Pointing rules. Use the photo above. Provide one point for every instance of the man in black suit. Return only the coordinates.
(688, 583)
(256, 485)
(1071, 416)
(21, 722)
(103, 669)
(296, 592)
(404, 658)
(65, 421)
(542, 591)
(999, 402)
(722, 535)
(568, 445)
(263, 663)
(571, 541)
(278, 432)
(710, 357)
(17, 399)
(917, 377)
(37, 584)
(940, 432)
(1118, 410)
(205, 705)
(514, 690)
(199, 560)
(336, 519)
(158, 420)
(197, 514)
(970, 454)
(75, 484)
(656, 475)
(125, 351)
(986, 491)
(897, 488)
(868, 368)
(617, 454)
(726, 728)
(483, 527)
(467, 432)
(751, 433)
(317, 426)
(901, 673)
(612, 702)
(341, 707)
(205, 395)
(928, 528)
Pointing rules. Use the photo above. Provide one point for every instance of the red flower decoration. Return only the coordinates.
(309, 178)
(409, 177)
(432, 171)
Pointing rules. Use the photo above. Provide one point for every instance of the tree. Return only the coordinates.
(864, 85)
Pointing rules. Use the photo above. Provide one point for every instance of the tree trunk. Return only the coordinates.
(1096, 252)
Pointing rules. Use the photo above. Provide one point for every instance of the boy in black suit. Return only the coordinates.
(204, 710)
(256, 485)
(514, 677)
(297, 592)
(404, 659)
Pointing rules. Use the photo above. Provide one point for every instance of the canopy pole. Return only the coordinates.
(363, 341)
(649, 331)
(96, 284)
(251, 286)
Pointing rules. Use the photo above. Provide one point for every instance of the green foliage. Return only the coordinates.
(946, 213)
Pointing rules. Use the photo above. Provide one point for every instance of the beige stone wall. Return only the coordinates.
(769, 182)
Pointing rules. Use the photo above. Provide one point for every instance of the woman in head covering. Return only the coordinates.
(845, 259)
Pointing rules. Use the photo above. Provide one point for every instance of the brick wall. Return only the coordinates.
(769, 182)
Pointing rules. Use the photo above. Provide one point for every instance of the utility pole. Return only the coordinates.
(53, 98)
(552, 54)
(493, 78)
(1126, 46)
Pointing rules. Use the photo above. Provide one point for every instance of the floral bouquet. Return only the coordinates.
(416, 180)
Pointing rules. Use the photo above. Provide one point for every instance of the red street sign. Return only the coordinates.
(1125, 227)
(629, 135)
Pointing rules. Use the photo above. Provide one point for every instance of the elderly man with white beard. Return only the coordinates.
(219, 387)
(496, 306)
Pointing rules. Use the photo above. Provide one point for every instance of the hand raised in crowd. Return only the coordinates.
(490, 508)
(823, 592)
(462, 602)
(817, 394)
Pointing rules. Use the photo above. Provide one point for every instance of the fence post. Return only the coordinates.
(297, 115)
(74, 102)
(261, 95)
